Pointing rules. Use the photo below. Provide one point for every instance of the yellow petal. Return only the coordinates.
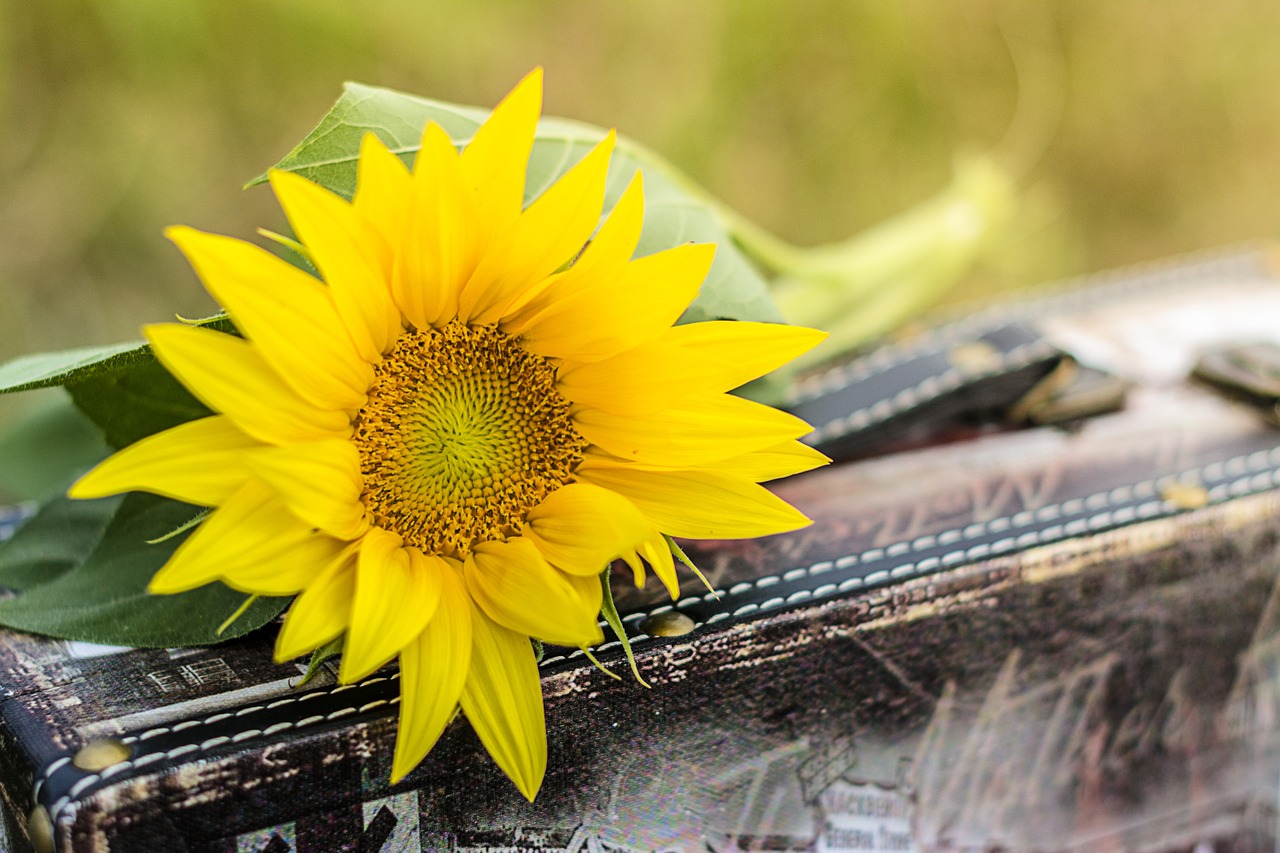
(772, 463)
(613, 245)
(285, 312)
(549, 234)
(503, 700)
(602, 260)
(684, 361)
(229, 375)
(320, 483)
(345, 249)
(253, 544)
(656, 553)
(383, 188)
(433, 670)
(397, 592)
(697, 432)
(518, 588)
(697, 504)
(322, 611)
(199, 462)
(496, 159)
(581, 528)
(583, 320)
(437, 248)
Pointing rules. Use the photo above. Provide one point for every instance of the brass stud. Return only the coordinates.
(97, 755)
(40, 830)
(669, 623)
(1185, 495)
(975, 357)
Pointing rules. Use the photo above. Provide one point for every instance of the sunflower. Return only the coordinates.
(440, 443)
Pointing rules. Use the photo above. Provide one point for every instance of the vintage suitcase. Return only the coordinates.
(997, 635)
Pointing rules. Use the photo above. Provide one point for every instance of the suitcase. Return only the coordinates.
(1038, 609)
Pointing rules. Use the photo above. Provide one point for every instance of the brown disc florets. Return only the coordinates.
(464, 432)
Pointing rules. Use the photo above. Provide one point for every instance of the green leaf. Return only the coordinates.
(46, 449)
(47, 369)
(675, 211)
(133, 400)
(103, 598)
(53, 541)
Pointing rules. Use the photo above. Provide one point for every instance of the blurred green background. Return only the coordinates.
(1138, 129)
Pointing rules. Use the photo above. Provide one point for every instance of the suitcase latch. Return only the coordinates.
(1249, 372)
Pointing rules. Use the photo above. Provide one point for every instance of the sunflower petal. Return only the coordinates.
(549, 234)
(496, 159)
(697, 504)
(684, 361)
(198, 462)
(580, 528)
(503, 700)
(253, 544)
(771, 463)
(655, 552)
(591, 320)
(397, 592)
(437, 248)
(230, 376)
(519, 589)
(319, 481)
(285, 312)
(322, 611)
(614, 244)
(602, 259)
(697, 432)
(383, 185)
(344, 247)
(433, 670)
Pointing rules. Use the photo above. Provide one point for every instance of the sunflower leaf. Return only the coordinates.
(101, 597)
(47, 369)
(50, 369)
(134, 400)
(48, 447)
(55, 540)
(676, 211)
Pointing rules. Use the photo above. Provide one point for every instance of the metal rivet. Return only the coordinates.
(667, 624)
(1185, 495)
(98, 755)
(40, 829)
(975, 357)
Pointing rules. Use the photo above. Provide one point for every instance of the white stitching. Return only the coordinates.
(1259, 481)
(208, 744)
(1072, 294)
(151, 758)
(884, 409)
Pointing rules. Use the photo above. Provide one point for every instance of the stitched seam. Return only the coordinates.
(928, 389)
(1253, 473)
(1080, 292)
(152, 757)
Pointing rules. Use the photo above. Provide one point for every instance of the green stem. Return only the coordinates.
(610, 612)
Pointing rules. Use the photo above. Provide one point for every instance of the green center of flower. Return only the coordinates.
(463, 434)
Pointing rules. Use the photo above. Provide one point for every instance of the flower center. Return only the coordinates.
(463, 434)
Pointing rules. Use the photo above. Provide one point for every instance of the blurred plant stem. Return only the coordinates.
(866, 286)
(872, 283)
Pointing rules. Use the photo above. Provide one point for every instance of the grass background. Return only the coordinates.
(1139, 129)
